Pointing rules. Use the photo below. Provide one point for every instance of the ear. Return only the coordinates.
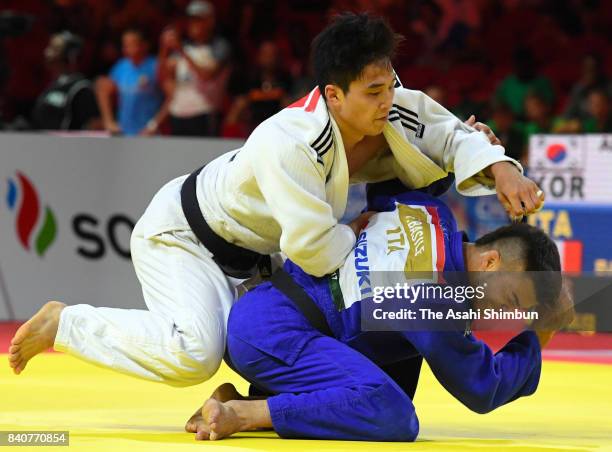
(333, 95)
(490, 261)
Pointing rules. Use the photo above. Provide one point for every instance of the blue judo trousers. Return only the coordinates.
(333, 387)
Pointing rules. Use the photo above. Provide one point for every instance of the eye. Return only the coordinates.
(374, 94)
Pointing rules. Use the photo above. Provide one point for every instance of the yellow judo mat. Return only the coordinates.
(106, 411)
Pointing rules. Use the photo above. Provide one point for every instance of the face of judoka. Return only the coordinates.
(507, 290)
(507, 285)
(363, 109)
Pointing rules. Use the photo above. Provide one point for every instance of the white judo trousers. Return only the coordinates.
(180, 339)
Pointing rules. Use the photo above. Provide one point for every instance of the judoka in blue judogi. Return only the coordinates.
(332, 386)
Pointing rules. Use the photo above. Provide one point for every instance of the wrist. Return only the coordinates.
(498, 168)
(152, 125)
(544, 337)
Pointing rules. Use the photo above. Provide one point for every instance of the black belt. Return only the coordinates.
(232, 259)
(292, 290)
(241, 263)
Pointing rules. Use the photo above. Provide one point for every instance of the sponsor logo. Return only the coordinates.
(35, 225)
(362, 266)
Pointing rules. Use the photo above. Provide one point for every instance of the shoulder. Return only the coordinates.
(305, 122)
(120, 66)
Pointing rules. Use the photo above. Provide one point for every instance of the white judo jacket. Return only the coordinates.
(286, 188)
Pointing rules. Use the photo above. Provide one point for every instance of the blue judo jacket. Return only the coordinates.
(464, 365)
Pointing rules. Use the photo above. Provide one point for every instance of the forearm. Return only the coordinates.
(162, 113)
(204, 74)
(104, 91)
(492, 170)
(481, 380)
(239, 105)
(163, 72)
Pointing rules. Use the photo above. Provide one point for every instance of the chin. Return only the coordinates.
(376, 128)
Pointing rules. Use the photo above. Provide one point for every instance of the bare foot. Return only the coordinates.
(35, 336)
(221, 419)
(223, 393)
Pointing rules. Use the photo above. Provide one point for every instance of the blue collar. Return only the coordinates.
(456, 251)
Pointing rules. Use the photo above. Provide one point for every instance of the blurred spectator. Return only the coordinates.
(538, 112)
(600, 119)
(194, 75)
(133, 80)
(593, 77)
(437, 93)
(262, 92)
(509, 131)
(426, 26)
(459, 17)
(514, 88)
(69, 103)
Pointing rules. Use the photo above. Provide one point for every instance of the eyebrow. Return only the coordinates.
(378, 85)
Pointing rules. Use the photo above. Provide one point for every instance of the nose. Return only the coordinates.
(385, 106)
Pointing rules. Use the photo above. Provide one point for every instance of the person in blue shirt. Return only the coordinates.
(133, 80)
(331, 386)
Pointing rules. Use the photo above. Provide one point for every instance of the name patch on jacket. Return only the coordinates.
(407, 239)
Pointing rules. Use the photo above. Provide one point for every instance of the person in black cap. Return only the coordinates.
(69, 103)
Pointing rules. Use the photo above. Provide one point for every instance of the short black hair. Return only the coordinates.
(347, 45)
(539, 253)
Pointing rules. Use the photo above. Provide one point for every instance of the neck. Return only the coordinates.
(350, 137)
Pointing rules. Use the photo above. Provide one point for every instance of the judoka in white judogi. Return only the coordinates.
(284, 190)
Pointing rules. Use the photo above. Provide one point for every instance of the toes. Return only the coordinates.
(14, 349)
(21, 366)
(202, 435)
(210, 410)
(16, 369)
(14, 357)
(213, 416)
(191, 426)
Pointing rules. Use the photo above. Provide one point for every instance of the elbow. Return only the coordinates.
(480, 403)
(317, 254)
(310, 260)
(313, 266)
(481, 408)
